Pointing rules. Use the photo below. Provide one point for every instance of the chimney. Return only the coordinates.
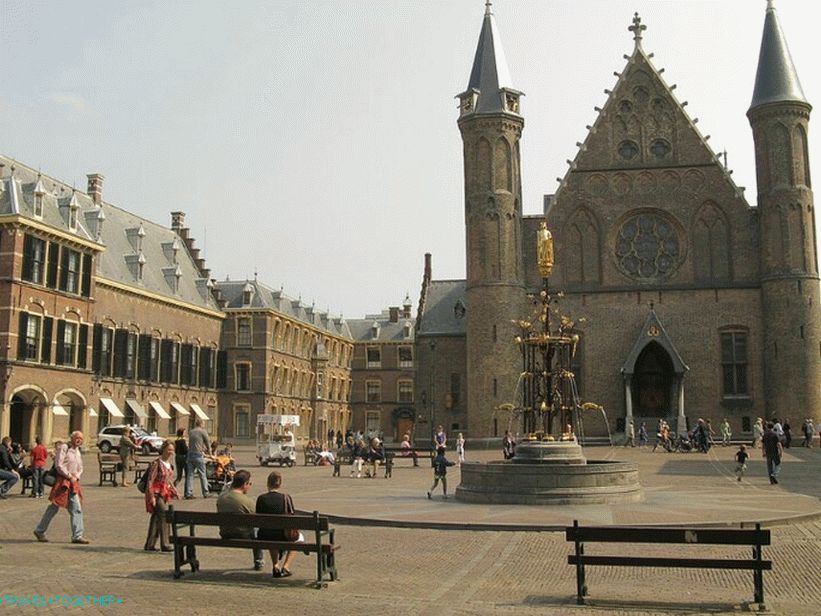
(428, 270)
(177, 220)
(394, 314)
(95, 187)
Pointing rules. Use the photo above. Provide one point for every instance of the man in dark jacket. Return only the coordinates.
(8, 469)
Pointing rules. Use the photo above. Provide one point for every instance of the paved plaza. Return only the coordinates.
(396, 565)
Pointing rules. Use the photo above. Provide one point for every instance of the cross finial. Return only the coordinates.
(488, 10)
(637, 28)
(652, 305)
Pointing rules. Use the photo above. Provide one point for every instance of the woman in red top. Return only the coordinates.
(38, 455)
(159, 490)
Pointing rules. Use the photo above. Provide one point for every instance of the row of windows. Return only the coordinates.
(36, 336)
(292, 382)
(373, 391)
(404, 357)
(296, 341)
(56, 266)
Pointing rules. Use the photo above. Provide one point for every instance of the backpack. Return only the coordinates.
(142, 484)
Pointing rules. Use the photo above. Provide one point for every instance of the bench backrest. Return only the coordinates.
(248, 520)
(649, 534)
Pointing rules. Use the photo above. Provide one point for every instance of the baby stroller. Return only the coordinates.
(219, 471)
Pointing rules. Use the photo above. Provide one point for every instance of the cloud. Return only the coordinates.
(73, 101)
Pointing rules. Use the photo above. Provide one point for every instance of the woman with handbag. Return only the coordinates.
(279, 503)
(159, 490)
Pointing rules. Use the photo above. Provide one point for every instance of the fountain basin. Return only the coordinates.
(540, 483)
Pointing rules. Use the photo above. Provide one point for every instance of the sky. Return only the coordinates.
(315, 142)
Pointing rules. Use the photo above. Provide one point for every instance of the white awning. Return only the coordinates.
(138, 409)
(181, 410)
(159, 410)
(112, 407)
(199, 412)
(58, 409)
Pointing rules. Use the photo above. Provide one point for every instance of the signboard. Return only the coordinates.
(278, 420)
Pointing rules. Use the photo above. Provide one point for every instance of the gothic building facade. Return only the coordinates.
(690, 300)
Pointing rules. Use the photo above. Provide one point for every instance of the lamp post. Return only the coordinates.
(431, 397)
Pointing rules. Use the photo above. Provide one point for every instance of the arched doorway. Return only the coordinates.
(652, 385)
(27, 416)
(404, 422)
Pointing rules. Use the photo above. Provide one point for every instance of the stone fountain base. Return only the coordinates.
(549, 473)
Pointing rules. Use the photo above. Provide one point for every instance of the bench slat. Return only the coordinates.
(249, 520)
(255, 543)
(714, 536)
(687, 563)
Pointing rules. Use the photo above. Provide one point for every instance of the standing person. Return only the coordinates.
(279, 503)
(236, 500)
(508, 446)
(340, 440)
(127, 448)
(331, 439)
(630, 433)
(758, 431)
(180, 456)
(726, 432)
(66, 491)
(440, 471)
(440, 439)
(772, 450)
(779, 430)
(643, 435)
(39, 455)
(809, 432)
(8, 470)
(787, 434)
(460, 449)
(159, 490)
(198, 447)
(741, 461)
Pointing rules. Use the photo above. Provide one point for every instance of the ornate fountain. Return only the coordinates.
(549, 466)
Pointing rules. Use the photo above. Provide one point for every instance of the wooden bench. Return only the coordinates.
(310, 456)
(393, 454)
(343, 458)
(109, 467)
(580, 535)
(314, 528)
(141, 463)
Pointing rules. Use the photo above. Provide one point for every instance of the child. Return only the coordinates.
(741, 461)
(440, 471)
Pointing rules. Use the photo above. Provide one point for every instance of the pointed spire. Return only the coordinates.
(490, 73)
(776, 80)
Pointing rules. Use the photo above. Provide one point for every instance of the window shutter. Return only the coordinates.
(144, 358)
(28, 258)
(222, 369)
(205, 362)
(86, 288)
(45, 350)
(82, 346)
(64, 270)
(96, 347)
(61, 333)
(21, 335)
(53, 260)
(120, 352)
(166, 369)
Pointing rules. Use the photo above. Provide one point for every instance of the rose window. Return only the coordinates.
(647, 247)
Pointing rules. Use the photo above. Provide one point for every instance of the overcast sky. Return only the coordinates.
(316, 142)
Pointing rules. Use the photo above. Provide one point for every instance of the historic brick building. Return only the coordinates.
(696, 302)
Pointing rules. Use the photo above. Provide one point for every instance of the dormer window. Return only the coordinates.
(467, 101)
(512, 103)
(407, 330)
(247, 294)
(140, 266)
(73, 208)
(39, 191)
(375, 330)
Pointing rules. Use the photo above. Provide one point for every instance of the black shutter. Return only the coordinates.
(120, 352)
(45, 350)
(53, 260)
(222, 369)
(21, 336)
(185, 360)
(166, 369)
(61, 334)
(86, 288)
(144, 358)
(82, 346)
(205, 362)
(64, 271)
(96, 347)
(28, 258)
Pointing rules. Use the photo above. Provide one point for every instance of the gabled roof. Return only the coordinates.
(490, 72)
(387, 331)
(444, 309)
(653, 331)
(264, 297)
(776, 80)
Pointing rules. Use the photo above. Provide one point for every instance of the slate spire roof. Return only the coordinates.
(776, 80)
(490, 72)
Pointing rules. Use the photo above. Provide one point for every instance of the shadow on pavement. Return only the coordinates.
(610, 605)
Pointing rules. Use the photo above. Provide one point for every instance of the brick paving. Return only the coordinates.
(406, 570)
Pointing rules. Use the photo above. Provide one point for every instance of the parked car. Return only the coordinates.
(108, 439)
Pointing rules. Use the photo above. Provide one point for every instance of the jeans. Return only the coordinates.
(9, 479)
(773, 466)
(195, 462)
(74, 511)
(37, 480)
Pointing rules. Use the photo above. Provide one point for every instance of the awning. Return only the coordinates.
(199, 412)
(58, 409)
(112, 407)
(181, 410)
(159, 410)
(138, 409)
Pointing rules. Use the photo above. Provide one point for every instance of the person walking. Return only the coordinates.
(180, 456)
(236, 500)
(440, 439)
(8, 471)
(758, 432)
(787, 434)
(159, 491)
(726, 432)
(66, 491)
(38, 455)
(630, 434)
(508, 446)
(280, 503)
(809, 432)
(127, 448)
(772, 450)
(440, 472)
(460, 449)
(741, 461)
(643, 435)
(199, 446)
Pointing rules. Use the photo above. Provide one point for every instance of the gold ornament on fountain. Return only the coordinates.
(544, 250)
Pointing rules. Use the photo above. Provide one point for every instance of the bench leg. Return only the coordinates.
(178, 561)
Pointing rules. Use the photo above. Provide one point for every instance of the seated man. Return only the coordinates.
(408, 450)
(236, 500)
(376, 455)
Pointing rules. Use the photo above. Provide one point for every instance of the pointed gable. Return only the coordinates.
(653, 332)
